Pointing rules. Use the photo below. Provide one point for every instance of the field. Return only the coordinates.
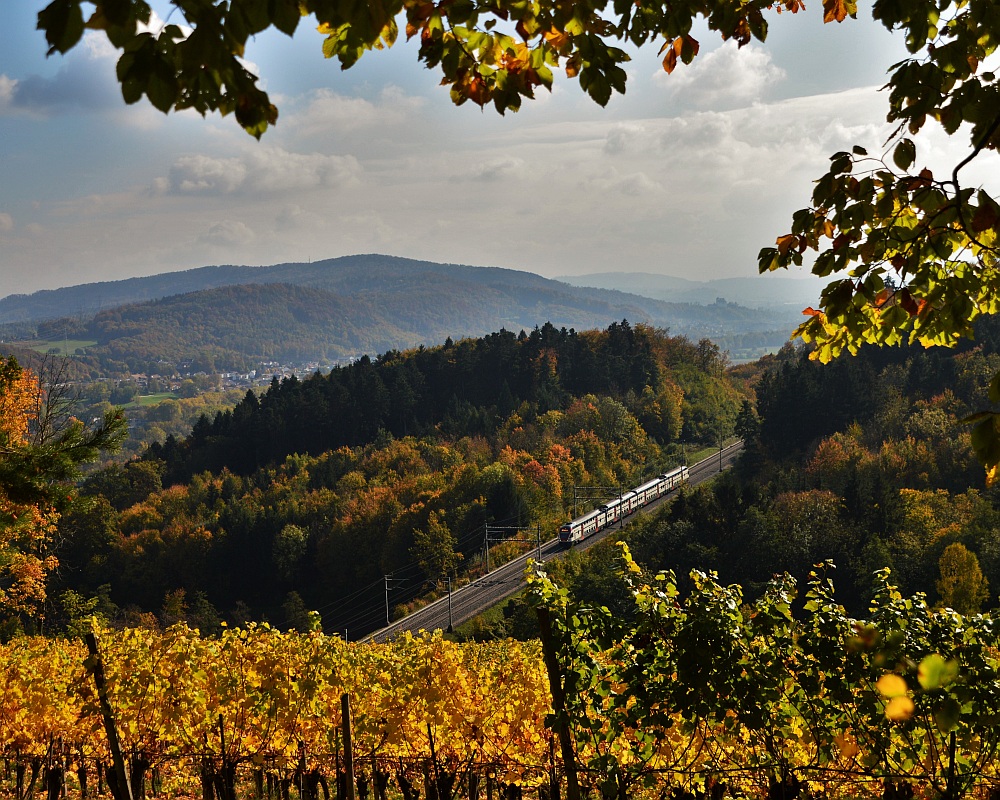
(151, 399)
(62, 347)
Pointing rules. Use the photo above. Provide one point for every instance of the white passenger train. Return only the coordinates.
(600, 518)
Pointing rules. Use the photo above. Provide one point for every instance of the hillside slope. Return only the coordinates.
(352, 275)
(342, 308)
(762, 291)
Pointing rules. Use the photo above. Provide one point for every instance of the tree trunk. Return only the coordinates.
(54, 779)
(559, 703)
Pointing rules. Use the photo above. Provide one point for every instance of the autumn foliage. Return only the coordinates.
(41, 448)
(26, 530)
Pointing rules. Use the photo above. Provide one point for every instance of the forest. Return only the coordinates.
(304, 496)
(863, 463)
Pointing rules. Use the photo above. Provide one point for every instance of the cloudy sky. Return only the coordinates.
(688, 174)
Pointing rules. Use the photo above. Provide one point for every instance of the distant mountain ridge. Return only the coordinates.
(764, 291)
(358, 273)
(330, 310)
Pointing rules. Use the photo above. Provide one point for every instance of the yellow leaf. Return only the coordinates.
(847, 746)
(891, 685)
(899, 709)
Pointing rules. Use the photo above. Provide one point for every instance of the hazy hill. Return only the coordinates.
(89, 298)
(353, 275)
(343, 307)
(764, 291)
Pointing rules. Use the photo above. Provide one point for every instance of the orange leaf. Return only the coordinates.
(478, 92)
(742, 34)
(908, 303)
(786, 242)
(834, 10)
(556, 38)
(900, 709)
(573, 65)
(673, 50)
(991, 475)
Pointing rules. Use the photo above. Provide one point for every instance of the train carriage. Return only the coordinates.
(578, 529)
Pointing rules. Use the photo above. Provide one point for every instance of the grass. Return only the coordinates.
(694, 456)
(492, 619)
(62, 347)
(151, 399)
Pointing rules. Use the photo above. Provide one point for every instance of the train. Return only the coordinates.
(604, 516)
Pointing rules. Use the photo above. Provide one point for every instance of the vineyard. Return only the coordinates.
(259, 711)
(697, 696)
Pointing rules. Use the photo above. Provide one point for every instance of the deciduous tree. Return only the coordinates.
(41, 448)
(961, 585)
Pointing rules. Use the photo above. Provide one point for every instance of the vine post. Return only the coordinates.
(121, 787)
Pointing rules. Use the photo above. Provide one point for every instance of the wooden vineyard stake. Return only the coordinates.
(345, 709)
(121, 788)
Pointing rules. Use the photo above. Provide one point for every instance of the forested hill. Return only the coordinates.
(348, 276)
(463, 388)
(313, 491)
(336, 309)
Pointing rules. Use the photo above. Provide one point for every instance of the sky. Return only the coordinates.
(688, 174)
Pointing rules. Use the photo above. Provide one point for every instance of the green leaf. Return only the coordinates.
(162, 90)
(905, 154)
(947, 714)
(936, 673)
(62, 21)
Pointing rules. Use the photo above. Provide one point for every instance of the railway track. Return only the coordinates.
(505, 581)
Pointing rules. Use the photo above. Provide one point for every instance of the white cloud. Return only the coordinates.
(629, 184)
(259, 171)
(8, 87)
(728, 77)
(228, 233)
(97, 47)
(293, 218)
(6, 222)
(200, 174)
(491, 169)
(327, 112)
(625, 137)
